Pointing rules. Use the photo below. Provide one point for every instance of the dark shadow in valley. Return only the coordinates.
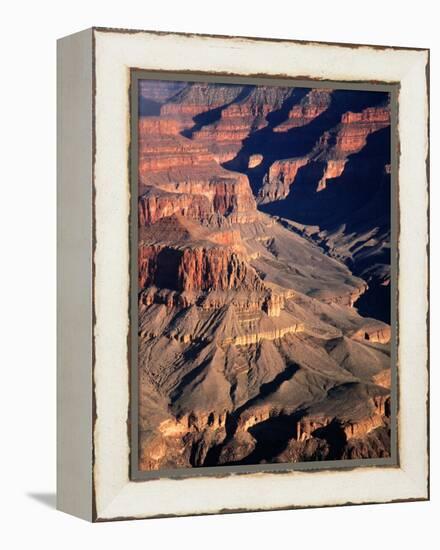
(272, 437)
(361, 194)
(297, 141)
(376, 302)
(335, 437)
(232, 419)
(359, 200)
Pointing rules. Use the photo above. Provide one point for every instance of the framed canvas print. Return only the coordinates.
(242, 276)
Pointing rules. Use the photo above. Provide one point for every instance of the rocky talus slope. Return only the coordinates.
(251, 346)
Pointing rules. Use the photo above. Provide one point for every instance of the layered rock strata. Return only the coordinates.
(311, 106)
(332, 150)
(239, 119)
(251, 348)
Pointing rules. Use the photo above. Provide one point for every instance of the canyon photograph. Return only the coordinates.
(263, 273)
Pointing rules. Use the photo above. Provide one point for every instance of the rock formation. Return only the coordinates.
(279, 178)
(349, 137)
(311, 106)
(239, 119)
(341, 188)
(251, 346)
(332, 149)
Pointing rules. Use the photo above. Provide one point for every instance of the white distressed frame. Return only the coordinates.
(115, 495)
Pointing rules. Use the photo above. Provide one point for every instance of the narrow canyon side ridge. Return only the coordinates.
(263, 274)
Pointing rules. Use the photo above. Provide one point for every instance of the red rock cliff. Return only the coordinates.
(350, 137)
(312, 105)
(171, 165)
(194, 269)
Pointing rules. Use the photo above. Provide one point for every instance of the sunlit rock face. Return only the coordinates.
(311, 106)
(180, 175)
(350, 137)
(263, 224)
(281, 175)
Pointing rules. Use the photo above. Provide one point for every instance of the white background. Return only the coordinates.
(27, 272)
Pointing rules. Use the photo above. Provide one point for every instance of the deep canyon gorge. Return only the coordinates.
(264, 283)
